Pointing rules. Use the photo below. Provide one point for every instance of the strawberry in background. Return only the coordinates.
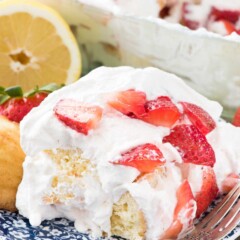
(222, 20)
(236, 118)
(15, 105)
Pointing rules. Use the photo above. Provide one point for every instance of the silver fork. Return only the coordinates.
(221, 221)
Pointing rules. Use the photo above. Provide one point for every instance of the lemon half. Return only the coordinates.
(36, 46)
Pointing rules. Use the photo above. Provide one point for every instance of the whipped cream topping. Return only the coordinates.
(28, 201)
(152, 201)
(225, 142)
(140, 7)
(193, 173)
(116, 133)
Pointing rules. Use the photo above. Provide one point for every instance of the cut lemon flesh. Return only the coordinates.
(36, 46)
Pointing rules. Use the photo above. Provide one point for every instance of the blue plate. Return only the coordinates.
(15, 227)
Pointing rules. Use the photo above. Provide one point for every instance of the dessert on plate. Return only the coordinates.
(128, 152)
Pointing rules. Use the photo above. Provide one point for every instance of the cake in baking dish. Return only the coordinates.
(220, 16)
(128, 152)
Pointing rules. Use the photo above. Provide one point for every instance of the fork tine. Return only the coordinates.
(220, 210)
(223, 211)
(228, 223)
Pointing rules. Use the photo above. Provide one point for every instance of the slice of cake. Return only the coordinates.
(128, 152)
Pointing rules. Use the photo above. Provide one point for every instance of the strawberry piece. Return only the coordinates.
(145, 158)
(184, 211)
(230, 28)
(199, 118)
(229, 15)
(191, 144)
(130, 102)
(78, 116)
(15, 109)
(229, 182)
(185, 20)
(208, 192)
(236, 119)
(161, 112)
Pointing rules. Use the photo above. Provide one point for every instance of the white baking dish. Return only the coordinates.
(207, 61)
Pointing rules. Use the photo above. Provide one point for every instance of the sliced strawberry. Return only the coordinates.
(229, 183)
(236, 119)
(208, 192)
(77, 115)
(130, 102)
(229, 15)
(15, 109)
(230, 28)
(185, 19)
(191, 144)
(199, 117)
(184, 212)
(161, 112)
(145, 158)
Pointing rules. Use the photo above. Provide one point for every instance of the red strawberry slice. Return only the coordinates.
(77, 115)
(145, 158)
(208, 192)
(230, 28)
(236, 119)
(185, 209)
(15, 109)
(185, 20)
(199, 117)
(229, 15)
(130, 102)
(229, 183)
(161, 112)
(191, 144)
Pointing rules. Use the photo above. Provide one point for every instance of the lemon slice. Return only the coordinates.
(36, 46)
